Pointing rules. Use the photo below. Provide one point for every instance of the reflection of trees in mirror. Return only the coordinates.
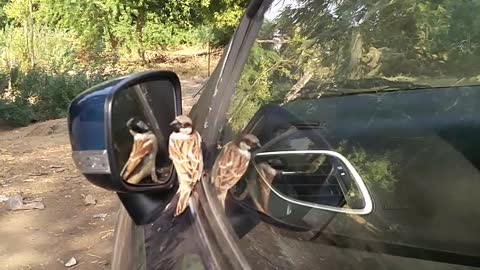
(377, 170)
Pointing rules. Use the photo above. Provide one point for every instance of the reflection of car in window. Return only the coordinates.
(314, 178)
(411, 140)
(431, 136)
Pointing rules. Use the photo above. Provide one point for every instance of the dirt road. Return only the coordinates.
(35, 162)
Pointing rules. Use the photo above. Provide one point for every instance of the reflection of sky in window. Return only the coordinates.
(278, 6)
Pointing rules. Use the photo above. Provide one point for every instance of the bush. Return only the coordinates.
(15, 114)
(37, 95)
(163, 36)
(53, 49)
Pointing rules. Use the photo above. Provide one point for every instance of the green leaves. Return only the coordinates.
(17, 10)
(40, 95)
(228, 18)
(117, 26)
(46, 46)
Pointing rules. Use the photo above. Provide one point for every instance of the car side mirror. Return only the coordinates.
(308, 180)
(119, 131)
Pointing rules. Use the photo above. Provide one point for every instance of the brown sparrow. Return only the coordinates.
(231, 164)
(141, 161)
(267, 173)
(186, 154)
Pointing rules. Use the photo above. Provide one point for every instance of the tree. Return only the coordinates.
(21, 11)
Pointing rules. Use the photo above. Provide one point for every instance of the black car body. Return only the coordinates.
(416, 147)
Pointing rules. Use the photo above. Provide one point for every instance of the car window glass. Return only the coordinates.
(392, 88)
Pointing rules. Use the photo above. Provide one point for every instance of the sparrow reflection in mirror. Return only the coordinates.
(267, 173)
(231, 164)
(141, 162)
(257, 187)
(185, 151)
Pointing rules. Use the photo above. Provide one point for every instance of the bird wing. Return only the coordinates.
(141, 147)
(268, 174)
(229, 167)
(187, 158)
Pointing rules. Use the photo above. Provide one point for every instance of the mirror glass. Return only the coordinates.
(140, 128)
(314, 179)
(303, 188)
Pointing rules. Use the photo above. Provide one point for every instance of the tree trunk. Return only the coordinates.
(208, 58)
(113, 40)
(26, 57)
(354, 68)
(293, 93)
(139, 29)
(32, 29)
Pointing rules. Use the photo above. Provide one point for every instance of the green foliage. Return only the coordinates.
(139, 25)
(17, 10)
(253, 89)
(39, 95)
(46, 46)
(116, 26)
(163, 36)
(311, 47)
(223, 16)
(3, 17)
(435, 37)
(15, 114)
(377, 170)
(54, 50)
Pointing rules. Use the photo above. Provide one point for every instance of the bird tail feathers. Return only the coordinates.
(183, 196)
(222, 196)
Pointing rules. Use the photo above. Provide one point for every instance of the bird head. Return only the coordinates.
(249, 142)
(182, 124)
(266, 168)
(137, 125)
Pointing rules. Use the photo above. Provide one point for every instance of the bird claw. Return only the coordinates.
(155, 177)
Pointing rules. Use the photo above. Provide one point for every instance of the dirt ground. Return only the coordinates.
(35, 162)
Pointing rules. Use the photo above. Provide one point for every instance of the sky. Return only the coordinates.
(278, 6)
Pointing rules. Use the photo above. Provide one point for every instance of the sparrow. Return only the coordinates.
(259, 186)
(231, 164)
(141, 161)
(267, 173)
(185, 151)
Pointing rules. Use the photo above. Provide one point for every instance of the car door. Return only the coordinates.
(313, 97)
(195, 239)
(129, 247)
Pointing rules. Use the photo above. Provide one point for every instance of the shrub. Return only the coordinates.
(37, 95)
(53, 49)
(15, 114)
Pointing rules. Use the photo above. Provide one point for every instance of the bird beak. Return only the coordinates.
(174, 122)
(176, 125)
(259, 145)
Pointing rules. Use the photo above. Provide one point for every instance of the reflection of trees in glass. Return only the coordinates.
(253, 89)
(331, 42)
(312, 47)
(377, 170)
(270, 75)
(406, 37)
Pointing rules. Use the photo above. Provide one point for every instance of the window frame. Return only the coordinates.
(219, 95)
(209, 115)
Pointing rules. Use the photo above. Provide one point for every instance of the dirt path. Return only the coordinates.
(35, 162)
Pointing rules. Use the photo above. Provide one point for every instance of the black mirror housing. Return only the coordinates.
(100, 139)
